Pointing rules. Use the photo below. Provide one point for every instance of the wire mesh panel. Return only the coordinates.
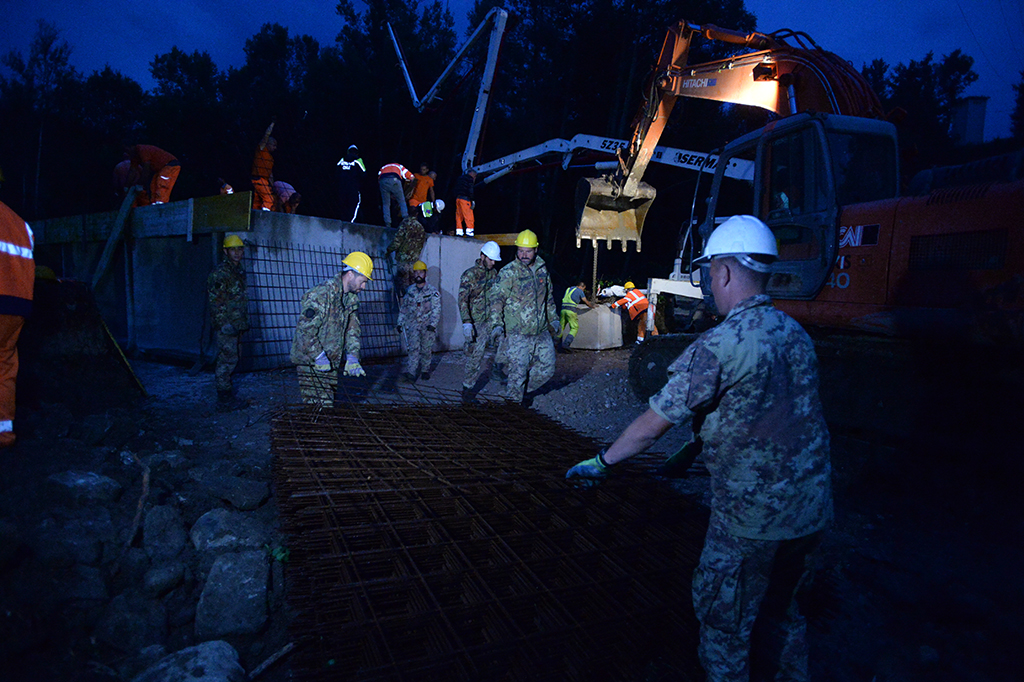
(442, 542)
(279, 274)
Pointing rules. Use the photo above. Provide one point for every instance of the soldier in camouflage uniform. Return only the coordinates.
(327, 333)
(229, 312)
(475, 294)
(523, 311)
(751, 387)
(418, 317)
(407, 247)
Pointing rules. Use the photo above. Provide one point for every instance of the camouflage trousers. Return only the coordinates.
(419, 348)
(316, 387)
(479, 353)
(744, 597)
(528, 356)
(227, 360)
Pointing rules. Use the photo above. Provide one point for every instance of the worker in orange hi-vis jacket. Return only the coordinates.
(636, 303)
(156, 170)
(263, 172)
(17, 278)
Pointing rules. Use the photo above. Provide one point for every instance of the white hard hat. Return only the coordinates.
(741, 236)
(439, 205)
(491, 250)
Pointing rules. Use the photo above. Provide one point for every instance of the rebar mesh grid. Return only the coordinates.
(442, 542)
(280, 273)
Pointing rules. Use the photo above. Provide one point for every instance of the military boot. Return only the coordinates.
(468, 397)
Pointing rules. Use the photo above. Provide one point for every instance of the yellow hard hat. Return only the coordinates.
(527, 239)
(630, 285)
(231, 241)
(419, 265)
(360, 262)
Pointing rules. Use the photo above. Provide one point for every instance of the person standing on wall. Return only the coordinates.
(263, 172)
(418, 317)
(390, 179)
(17, 283)
(327, 334)
(229, 312)
(351, 174)
(750, 387)
(156, 169)
(465, 204)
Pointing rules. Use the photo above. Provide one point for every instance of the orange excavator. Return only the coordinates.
(944, 259)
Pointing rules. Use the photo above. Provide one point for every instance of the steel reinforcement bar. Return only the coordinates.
(442, 542)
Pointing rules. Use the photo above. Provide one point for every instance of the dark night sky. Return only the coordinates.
(127, 35)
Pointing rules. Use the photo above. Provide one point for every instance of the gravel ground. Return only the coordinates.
(919, 579)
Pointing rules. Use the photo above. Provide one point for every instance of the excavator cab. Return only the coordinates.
(807, 167)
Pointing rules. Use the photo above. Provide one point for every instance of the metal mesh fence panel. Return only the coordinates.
(278, 276)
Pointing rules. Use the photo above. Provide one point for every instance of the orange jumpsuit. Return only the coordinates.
(17, 278)
(262, 173)
(159, 168)
(636, 303)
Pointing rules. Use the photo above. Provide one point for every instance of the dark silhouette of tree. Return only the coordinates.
(927, 90)
(1017, 117)
(43, 82)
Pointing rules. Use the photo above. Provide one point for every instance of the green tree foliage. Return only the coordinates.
(927, 90)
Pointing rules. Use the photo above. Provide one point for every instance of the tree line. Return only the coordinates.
(565, 68)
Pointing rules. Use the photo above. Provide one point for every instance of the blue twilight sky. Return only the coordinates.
(127, 35)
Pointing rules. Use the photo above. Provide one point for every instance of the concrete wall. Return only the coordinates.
(154, 295)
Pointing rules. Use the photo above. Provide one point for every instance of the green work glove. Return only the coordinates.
(353, 368)
(590, 471)
(678, 464)
(322, 363)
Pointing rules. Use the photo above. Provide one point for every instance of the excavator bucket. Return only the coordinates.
(603, 215)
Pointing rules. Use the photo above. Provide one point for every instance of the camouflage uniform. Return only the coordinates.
(418, 317)
(524, 308)
(751, 386)
(407, 245)
(329, 323)
(229, 312)
(476, 289)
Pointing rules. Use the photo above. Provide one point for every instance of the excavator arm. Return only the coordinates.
(779, 77)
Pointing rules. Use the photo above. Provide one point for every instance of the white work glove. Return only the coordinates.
(353, 368)
(557, 326)
(322, 362)
(496, 334)
(472, 205)
(468, 331)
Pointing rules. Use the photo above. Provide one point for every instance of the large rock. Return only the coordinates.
(132, 622)
(78, 537)
(162, 579)
(234, 600)
(206, 662)
(163, 533)
(85, 486)
(240, 493)
(83, 583)
(221, 530)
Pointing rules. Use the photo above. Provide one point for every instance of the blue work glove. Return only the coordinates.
(353, 368)
(322, 363)
(589, 472)
(468, 331)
